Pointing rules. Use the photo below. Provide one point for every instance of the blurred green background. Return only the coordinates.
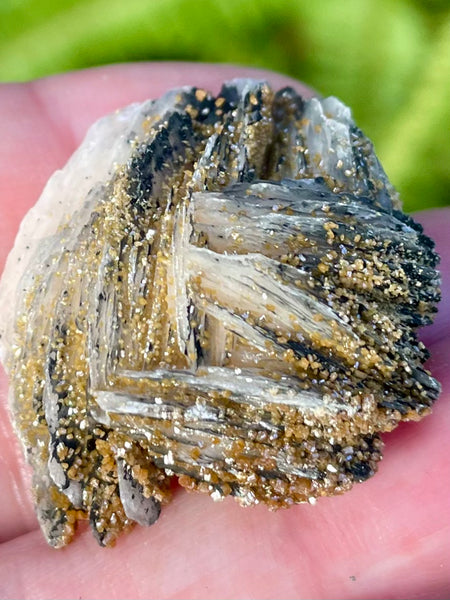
(388, 59)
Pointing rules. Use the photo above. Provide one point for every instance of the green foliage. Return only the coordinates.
(388, 59)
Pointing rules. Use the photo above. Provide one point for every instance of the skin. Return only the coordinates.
(387, 538)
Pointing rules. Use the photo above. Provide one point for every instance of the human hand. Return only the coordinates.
(387, 538)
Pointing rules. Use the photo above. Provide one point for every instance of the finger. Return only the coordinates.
(388, 538)
(367, 543)
(436, 224)
(42, 124)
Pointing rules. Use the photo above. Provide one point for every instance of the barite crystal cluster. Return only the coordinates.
(218, 288)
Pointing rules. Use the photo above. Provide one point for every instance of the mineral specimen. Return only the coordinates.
(222, 289)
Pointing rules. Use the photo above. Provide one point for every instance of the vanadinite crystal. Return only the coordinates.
(222, 289)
